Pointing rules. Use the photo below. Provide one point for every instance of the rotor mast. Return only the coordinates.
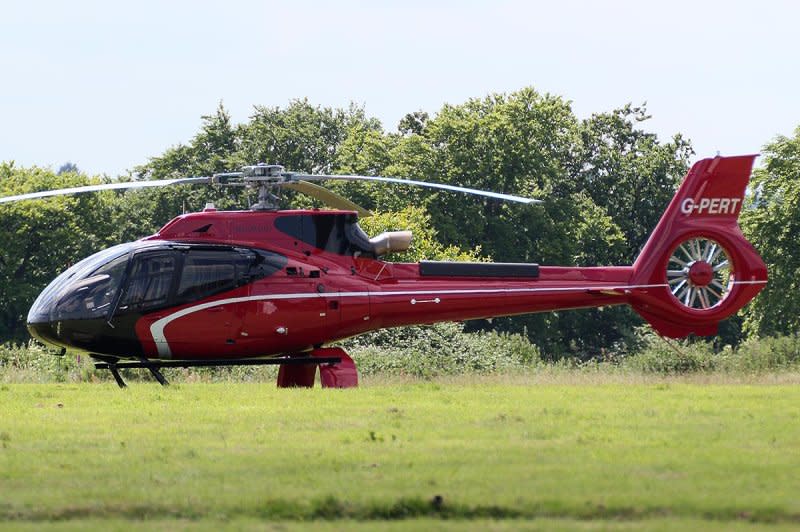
(266, 177)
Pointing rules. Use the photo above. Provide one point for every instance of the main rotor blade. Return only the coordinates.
(326, 196)
(496, 195)
(107, 186)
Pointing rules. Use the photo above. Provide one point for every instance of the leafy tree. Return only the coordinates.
(413, 123)
(772, 224)
(208, 152)
(625, 170)
(68, 167)
(506, 143)
(300, 137)
(212, 150)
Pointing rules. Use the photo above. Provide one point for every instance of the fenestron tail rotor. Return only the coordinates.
(266, 178)
(699, 273)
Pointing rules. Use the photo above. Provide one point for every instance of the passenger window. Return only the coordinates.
(149, 282)
(208, 272)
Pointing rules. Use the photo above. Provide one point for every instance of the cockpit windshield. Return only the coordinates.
(92, 275)
(91, 297)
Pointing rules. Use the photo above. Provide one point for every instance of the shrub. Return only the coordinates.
(761, 355)
(440, 349)
(756, 355)
(35, 363)
(662, 359)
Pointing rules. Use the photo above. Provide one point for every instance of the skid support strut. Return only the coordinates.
(117, 377)
(155, 371)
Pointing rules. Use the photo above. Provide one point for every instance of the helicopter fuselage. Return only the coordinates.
(215, 285)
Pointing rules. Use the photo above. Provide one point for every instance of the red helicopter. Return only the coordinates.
(269, 286)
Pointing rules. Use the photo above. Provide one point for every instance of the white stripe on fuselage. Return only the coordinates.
(157, 328)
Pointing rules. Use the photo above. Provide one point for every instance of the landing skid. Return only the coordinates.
(336, 368)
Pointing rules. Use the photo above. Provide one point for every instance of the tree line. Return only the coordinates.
(605, 180)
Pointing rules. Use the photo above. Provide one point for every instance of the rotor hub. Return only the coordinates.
(263, 173)
(701, 273)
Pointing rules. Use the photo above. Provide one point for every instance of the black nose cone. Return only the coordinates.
(45, 332)
(39, 323)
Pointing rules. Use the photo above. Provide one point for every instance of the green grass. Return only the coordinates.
(532, 452)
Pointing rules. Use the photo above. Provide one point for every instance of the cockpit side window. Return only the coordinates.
(149, 282)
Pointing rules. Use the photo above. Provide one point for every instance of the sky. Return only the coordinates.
(107, 85)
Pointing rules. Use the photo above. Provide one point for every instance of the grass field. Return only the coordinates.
(507, 453)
